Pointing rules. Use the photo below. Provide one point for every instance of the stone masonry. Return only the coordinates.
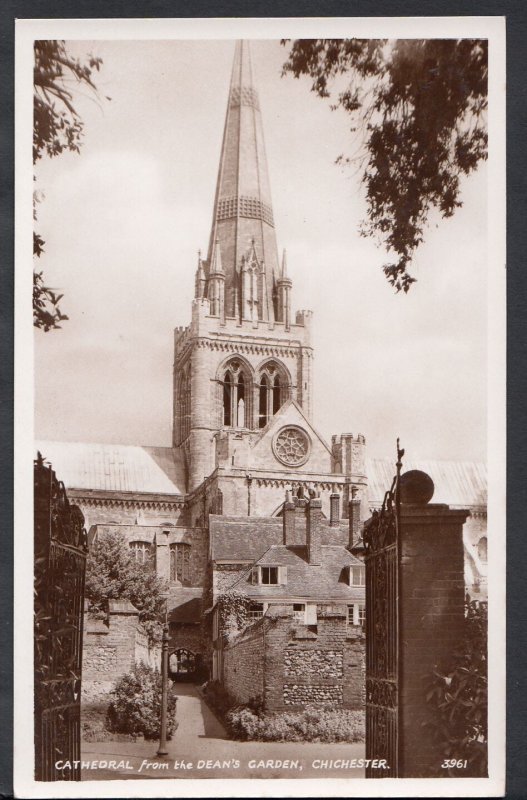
(291, 665)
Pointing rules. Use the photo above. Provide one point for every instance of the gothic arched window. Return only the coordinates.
(273, 391)
(482, 549)
(141, 551)
(236, 396)
(180, 562)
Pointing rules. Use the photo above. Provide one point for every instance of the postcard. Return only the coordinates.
(260, 382)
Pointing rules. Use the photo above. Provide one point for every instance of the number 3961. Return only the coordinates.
(453, 763)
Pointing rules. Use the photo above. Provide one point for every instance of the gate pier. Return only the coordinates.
(415, 594)
(431, 621)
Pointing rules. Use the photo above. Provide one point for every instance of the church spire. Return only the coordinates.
(243, 218)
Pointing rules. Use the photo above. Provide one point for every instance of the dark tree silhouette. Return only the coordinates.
(56, 127)
(419, 108)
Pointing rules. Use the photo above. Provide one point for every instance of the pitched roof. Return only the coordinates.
(326, 581)
(242, 538)
(458, 483)
(116, 467)
(247, 538)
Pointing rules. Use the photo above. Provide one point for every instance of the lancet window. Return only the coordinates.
(180, 562)
(236, 396)
(184, 404)
(272, 392)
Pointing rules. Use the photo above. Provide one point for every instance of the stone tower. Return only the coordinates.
(243, 356)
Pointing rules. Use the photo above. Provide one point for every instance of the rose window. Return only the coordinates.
(291, 446)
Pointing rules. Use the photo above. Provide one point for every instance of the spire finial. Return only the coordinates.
(284, 264)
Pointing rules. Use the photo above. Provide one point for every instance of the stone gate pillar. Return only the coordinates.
(431, 619)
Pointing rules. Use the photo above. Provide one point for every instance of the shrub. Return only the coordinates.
(312, 724)
(135, 704)
(459, 697)
(218, 697)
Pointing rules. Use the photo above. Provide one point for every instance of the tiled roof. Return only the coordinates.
(243, 538)
(116, 467)
(325, 582)
(187, 612)
(458, 483)
(246, 538)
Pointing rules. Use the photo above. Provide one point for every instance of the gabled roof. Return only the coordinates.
(458, 483)
(247, 538)
(327, 581)
(116, 467)
(242, 538)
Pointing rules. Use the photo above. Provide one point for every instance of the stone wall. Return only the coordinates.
(292, 665)
(243, 665)
(111, 647)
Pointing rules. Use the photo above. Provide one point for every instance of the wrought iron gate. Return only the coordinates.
(60, 563)
(382, 632)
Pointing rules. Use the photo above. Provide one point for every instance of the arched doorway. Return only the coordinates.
(183, 665)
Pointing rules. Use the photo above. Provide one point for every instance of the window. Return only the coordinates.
(357, 576)
(482, 549)
(357, 614)
(180, 562)
(235, 396)
(141, 551)
(299, 612)
(269, 575)
(256, 611)
(272, 392)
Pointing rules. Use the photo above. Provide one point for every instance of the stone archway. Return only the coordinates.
(183, 665)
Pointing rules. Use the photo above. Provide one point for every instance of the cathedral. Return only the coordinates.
(249, 496)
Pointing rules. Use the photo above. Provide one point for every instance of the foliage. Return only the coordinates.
(112, 573)
(459, 697)
(420, 107)
(233, 609)
(57, 127)
(312, 724)
(250, 722)
(135, 704)
(218, 697)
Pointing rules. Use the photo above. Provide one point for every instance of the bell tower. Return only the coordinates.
(243, 355)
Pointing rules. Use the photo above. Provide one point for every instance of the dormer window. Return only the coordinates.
(357, 575)
(269, 575)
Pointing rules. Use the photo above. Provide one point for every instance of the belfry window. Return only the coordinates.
(272, 392)
(235, 397)
(180, 562)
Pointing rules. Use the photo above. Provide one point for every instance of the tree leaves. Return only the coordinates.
(112, 573)
(421, 107)
(56, 127)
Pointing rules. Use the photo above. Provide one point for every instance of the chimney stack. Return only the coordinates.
(354, 518)
(334, 508)
(289, 516)
(314, 531)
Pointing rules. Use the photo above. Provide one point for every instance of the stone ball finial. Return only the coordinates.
(416, 487)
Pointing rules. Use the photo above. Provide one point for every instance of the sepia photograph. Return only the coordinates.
(260, 399)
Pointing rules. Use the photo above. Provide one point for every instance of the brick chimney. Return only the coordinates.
(334, 508)
(354, 518)
(289, 518)
(314, 531)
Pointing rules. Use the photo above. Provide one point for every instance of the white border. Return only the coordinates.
(492, 28)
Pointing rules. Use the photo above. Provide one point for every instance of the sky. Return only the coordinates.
(123, 222)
